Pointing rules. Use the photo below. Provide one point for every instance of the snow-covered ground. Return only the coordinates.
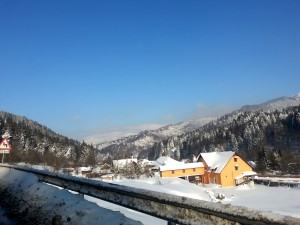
(282, 200)
(144, 218)
(52, 203)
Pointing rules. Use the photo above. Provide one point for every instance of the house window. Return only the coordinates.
(173, 171)
(235, 159)
(183, 170)
(236, 167)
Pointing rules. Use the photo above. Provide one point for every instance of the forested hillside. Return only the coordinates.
(272, 139)
(35, 143)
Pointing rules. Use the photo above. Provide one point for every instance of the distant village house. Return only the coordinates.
(120, 164)
(188, 171)
(223, 168)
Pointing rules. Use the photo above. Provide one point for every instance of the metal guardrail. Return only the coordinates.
(172, 208)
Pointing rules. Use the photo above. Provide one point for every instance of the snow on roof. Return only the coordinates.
(122, 162)
(80, 169)
(165, 160)
(144, 161)
(217, 160)
(252, 164)
(181, 166)
(246, 173)
(107, 175)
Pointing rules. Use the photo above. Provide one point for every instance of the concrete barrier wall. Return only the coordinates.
(169, 207)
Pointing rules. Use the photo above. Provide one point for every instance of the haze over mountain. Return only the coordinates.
(147, 138)
(188, 126)
(274, 124)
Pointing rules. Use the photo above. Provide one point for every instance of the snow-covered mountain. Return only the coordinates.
(141, 143)
(266, 132)
(274, 104)
(147, 138)
(34, 143)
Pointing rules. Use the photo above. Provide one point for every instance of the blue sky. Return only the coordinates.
(92, 67)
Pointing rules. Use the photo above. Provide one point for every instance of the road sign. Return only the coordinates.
(5, 146)
(4, 151)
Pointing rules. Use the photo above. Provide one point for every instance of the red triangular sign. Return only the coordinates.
(4, 145)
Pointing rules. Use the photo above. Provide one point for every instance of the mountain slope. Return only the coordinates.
(134, 144)
(145, 141)
(272, 139)
(34, 143)
(274, 104)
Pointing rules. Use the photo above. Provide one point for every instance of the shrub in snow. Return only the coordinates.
(220, 196)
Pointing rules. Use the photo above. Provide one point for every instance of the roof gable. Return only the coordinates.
(216, 160)
(105, 166)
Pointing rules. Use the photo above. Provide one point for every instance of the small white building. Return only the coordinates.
(103, 169)
(83, 170)
(119, 164)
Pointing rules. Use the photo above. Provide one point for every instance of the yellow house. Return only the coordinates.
(225, 168)
(193, 172)
(169, 167)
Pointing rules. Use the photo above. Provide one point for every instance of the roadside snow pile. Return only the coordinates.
(144, 218)
(54, 206)
(212, 196)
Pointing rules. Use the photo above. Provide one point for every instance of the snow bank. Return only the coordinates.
(44, 204)
(281, 200)
(185, 206)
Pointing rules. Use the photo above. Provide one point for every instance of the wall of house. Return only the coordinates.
(212, 178)
(182, 173)
(107, 178)
(229, 172)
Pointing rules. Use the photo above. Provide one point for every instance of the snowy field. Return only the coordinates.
(282, 200)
